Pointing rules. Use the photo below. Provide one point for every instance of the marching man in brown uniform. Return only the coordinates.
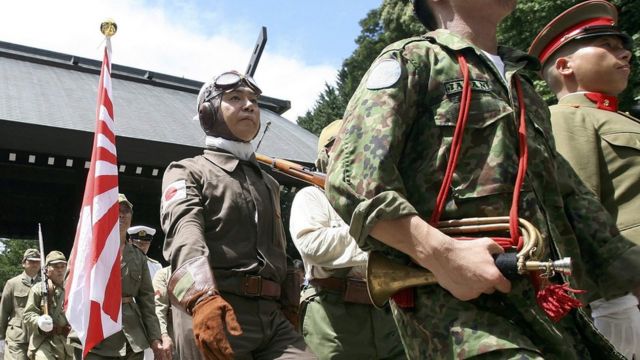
(225, 238)
(14, 339)
(585, 59)
(49, 331)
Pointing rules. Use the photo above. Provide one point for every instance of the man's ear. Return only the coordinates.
(563, 66)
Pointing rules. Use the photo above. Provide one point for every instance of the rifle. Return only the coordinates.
(294, 170)
(43, 275)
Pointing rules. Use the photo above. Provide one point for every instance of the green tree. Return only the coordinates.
(391, 22)
(537, 13)
(329, 106)
(394, 20)
(11, 258)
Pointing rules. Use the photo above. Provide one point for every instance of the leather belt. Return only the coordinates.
(250, 286)
(352, 290)
(127, 299)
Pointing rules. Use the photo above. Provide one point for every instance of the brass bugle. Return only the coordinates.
(385, 277)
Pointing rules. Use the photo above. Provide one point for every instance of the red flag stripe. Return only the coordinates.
(94, 264)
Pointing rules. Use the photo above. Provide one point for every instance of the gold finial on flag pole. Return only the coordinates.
(108, 28)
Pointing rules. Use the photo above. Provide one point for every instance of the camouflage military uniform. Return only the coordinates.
(53, 345)
(140, 324)
(14, 299)
(389, 162)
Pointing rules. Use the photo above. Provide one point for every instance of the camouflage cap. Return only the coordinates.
(31, 255)
(586, 19)
(141, 232)
(328, 134)
(55, 257)
(123, 199)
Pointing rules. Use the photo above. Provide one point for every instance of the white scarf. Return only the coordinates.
(242, 150)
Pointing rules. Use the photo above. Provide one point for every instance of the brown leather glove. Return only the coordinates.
(210, 318)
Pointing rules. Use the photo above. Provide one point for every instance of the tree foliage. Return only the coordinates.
(391, 22)
(520, 28)
(394, 20)
(11, 257)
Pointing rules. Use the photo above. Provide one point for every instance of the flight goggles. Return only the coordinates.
(229, 81)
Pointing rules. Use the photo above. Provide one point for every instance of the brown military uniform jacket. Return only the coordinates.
(14, 300)
(225, 209)
(139, 321)
(230, 212)
(603, 147)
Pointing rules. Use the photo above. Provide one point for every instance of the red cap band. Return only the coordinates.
(559, 40)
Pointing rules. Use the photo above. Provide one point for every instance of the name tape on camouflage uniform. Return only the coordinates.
(384, 74)
(455, 86)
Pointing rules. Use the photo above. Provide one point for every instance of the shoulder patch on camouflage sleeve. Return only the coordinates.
(384, 74)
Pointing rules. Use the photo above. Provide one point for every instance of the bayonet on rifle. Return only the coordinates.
(43, 274)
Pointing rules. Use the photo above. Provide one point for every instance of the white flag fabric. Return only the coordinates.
(93, 302)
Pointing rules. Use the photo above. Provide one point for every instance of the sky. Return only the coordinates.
(197, 39)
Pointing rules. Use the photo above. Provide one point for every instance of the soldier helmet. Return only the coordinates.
(55, 257)
(122, 199)
(587, 19)
(210, 96)
(31, 255)
(325, 141)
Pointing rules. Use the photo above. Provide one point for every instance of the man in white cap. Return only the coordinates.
(141, 237)
(586, 62)
(14, 339)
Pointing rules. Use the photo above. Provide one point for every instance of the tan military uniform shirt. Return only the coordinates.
(163, 307)
(603, 147)
(14, 299)
(139, 321)
(52, 345)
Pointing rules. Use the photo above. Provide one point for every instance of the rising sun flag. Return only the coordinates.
(94, 264)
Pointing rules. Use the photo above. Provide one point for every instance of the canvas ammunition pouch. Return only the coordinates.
(352, 290)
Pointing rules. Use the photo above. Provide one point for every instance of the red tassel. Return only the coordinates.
(405, 298)
(556, 302)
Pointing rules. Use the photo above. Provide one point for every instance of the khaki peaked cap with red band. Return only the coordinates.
(587, 19)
